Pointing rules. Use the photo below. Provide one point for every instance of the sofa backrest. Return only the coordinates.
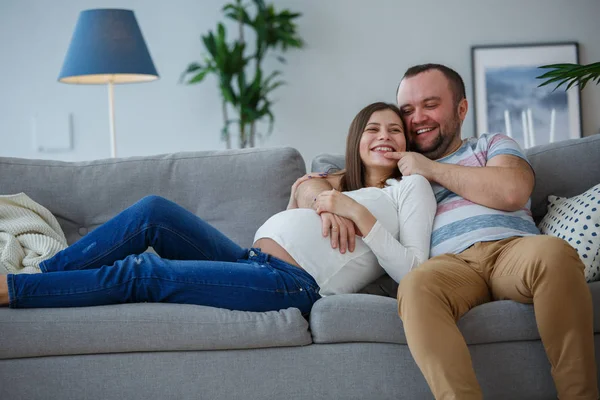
(565, 169)
(234, 190)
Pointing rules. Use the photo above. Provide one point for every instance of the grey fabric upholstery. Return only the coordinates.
(353, 371)
(327, 163)
(145, 327)
(235, 191)
(351, 318)
(563, 169)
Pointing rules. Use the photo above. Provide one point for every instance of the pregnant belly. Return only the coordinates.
(271, 247)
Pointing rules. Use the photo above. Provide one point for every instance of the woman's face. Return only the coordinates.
(383, 133)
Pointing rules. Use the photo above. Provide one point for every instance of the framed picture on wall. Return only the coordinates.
(507, 98)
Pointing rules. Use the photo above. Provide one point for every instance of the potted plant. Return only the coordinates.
(243, 84)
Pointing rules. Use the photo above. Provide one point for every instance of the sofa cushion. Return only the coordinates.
(145, 327)
(236, 191)
(565, 169)
(368, 318)
(577, 220)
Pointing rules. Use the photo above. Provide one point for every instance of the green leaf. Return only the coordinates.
(199, 77)
(573, 82)
(209, 43)
(193, 67)
(274, 86)
(574, 74)
(228, 94)
(237, 12)
(549, 81)
(561, 83)
(558, 66)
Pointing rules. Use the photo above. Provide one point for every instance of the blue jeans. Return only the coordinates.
(197, 265)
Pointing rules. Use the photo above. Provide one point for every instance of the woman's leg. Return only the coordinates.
(172, 231)
(255, 284)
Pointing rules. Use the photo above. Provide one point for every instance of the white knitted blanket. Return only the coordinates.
(29, 234)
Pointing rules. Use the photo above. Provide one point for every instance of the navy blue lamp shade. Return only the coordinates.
(107, 47)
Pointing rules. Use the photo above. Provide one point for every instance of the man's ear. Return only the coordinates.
(463, 107)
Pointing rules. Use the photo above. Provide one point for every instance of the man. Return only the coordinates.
(485, 245)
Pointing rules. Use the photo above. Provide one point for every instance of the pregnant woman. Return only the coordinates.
(291, 264)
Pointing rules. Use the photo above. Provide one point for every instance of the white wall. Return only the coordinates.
(356, 52)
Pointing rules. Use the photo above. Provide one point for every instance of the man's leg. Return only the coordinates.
(431, 299)
(548, 272)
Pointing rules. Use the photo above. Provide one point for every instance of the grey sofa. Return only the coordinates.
(353, 346)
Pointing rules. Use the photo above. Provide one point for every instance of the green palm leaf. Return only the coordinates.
(570, 74)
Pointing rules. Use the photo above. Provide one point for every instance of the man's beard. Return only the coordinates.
(442, 142)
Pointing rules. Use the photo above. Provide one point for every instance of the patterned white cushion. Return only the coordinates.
(577, 220)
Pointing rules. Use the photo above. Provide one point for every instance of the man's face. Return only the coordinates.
(432, 119)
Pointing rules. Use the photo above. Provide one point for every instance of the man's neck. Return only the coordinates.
(452, 148)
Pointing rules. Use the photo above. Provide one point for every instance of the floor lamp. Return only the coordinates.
(107, 47)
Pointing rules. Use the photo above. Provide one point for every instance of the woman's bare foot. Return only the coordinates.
(3, 291)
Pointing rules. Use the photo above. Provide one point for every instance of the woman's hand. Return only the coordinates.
(334, 202)
(341, 231)
(337, 203)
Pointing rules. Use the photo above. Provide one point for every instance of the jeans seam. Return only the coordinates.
(157, 278)
(301, 282)
(12, 298)
(42, 267)
(301, 277)
(129, 238)
(185, 238)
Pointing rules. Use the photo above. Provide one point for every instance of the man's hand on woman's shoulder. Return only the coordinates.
(293, 203)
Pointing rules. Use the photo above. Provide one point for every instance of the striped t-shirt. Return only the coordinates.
(460, 223)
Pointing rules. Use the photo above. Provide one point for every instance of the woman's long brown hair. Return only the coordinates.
(353, 176)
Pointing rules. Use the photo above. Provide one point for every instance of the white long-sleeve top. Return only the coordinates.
(398, 242)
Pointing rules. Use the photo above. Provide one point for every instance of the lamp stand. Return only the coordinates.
(111, 116)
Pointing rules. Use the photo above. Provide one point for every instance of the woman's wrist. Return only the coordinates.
(363, 219)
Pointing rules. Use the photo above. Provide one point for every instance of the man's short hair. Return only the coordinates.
(456, 82)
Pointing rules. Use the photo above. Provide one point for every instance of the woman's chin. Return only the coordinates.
(384, 168)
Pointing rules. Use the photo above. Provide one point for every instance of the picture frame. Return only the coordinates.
(507, 98)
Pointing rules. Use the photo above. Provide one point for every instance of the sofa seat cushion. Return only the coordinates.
(145, 327)
(368, 318)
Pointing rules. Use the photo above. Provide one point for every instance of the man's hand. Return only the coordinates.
(410, 163)
(342, 231)
(293, 203)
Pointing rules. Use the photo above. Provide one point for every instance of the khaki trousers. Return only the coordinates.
(542, 270)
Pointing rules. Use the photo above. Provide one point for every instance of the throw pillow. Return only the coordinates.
(577, 220)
